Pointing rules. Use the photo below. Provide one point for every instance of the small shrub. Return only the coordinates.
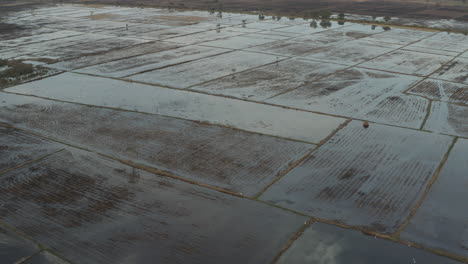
(325, 24)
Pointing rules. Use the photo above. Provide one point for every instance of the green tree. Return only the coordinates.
(325, 23)
(313, 24)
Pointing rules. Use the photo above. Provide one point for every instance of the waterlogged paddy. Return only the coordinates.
(196, 137)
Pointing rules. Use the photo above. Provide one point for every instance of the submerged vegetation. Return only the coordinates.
(15, 69)
(13, 72)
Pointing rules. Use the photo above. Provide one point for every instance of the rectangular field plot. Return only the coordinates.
(146, 62)
(364, 29)
(129, 51)
(239, 42)
(360, 93)
(350, 246)
(367, 177)
(239, 114)
(390, 38)
(205, 36)
(350, 53)
(443, 91)
(94, 210)
(134, 30)
(408, 62)
(455, 71)
(268, 81)
(27, 30)
(331, 37)
(15, 248)
(287, 48)
(242, 30)
(431, 51)
(203, 70)
(445, 41)
(440, 222)
(403, 32)
(168, 33)
(88, 48)
(226, 158)
(18, 147)
(448, 118)
(66, 42)
(401, 37)
(269, 35)
(307, 44)
(38, 38)
(18, 52)
(90, 26)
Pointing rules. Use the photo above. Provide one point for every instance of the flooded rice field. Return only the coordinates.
(131, 135)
